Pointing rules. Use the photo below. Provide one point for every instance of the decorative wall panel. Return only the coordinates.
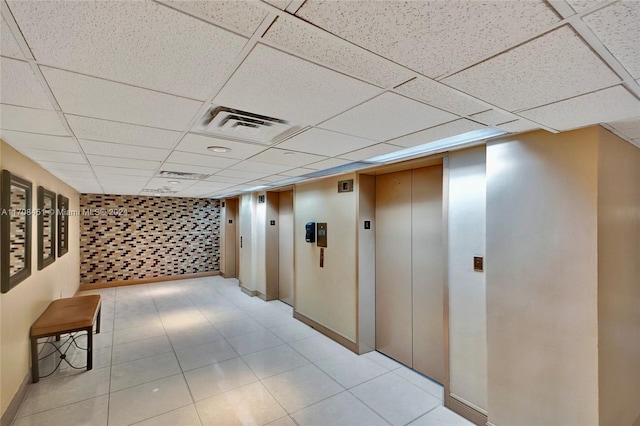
(126, 237)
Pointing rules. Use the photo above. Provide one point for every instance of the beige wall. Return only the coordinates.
(21, 306)
(618, 280)
(542, 279)
(467, 288)
(327, 295)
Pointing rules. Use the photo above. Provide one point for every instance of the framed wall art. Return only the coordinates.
(63, 225)
(15, 224)
(46, 214)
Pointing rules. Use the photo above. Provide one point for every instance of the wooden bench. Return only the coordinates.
(66, 316)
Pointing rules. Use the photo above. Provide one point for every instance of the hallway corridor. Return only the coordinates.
(200, 351)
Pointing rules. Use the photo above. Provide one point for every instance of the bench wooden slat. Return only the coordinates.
(65, 315)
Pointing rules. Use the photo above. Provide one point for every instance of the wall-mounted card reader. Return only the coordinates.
(310, 232)
(322, 234)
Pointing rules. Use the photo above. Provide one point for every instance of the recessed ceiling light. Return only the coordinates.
(174, 182)
(218, 149)
(289, 153)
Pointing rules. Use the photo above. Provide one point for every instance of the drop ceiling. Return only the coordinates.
(106, 95)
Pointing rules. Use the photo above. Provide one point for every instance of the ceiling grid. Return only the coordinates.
(353, 80)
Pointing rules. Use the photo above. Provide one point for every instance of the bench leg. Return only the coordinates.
(90, 348)
(98, 323)
(35, 370)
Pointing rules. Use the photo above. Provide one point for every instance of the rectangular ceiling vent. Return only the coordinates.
(243, 126)
(159, 191)
(181, 175)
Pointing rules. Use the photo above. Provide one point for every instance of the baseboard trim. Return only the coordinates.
(465, 411)
(352, 346)
(146, 280)
(248, 292)
(14, 405)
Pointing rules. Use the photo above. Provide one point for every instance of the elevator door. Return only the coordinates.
(410, 270)
(285, 247)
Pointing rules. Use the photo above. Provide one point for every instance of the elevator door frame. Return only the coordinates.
(397, 213)
(449, 401)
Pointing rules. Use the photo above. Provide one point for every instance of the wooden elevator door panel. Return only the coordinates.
(428, 272)
(393, 266)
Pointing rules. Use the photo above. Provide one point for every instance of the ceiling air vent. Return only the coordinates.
(181, 175)
(244, 126)
(163, 190)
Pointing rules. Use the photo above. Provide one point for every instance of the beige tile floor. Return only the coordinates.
(201, 352)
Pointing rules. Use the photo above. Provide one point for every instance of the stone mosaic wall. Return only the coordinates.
(128, 237)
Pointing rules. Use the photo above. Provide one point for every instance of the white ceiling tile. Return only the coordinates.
(269, 179)
(441, 96)
(198, 144)
(439, 132)
(295, 172)
(19, 85)
(64, 168)
(74, 174)
(290, 88)
(8, 44)
(201, 160)
(520, 125)
(611, 104)
(555, 66)
(280, 4)
(112, 131)
(193, 193)
(630, 128)
(242, 15)
(21, 140)
(122, 190)
(85, 187)
(171, 52)
(387, 116)
(120, 150)
(260, 167)
(335, 53)
(189, 168)
(493, 117)
(31, 120)
(370, 152)
(224, 179)
(618, 26)
(203, 184)
(121, 180)
(55, 156)
(241, 174)
(325, 142)
(583, 5)
(328, 164)
(432, 37)
(88, 96)
(117, 171)
(286, 158)
(97, 160)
